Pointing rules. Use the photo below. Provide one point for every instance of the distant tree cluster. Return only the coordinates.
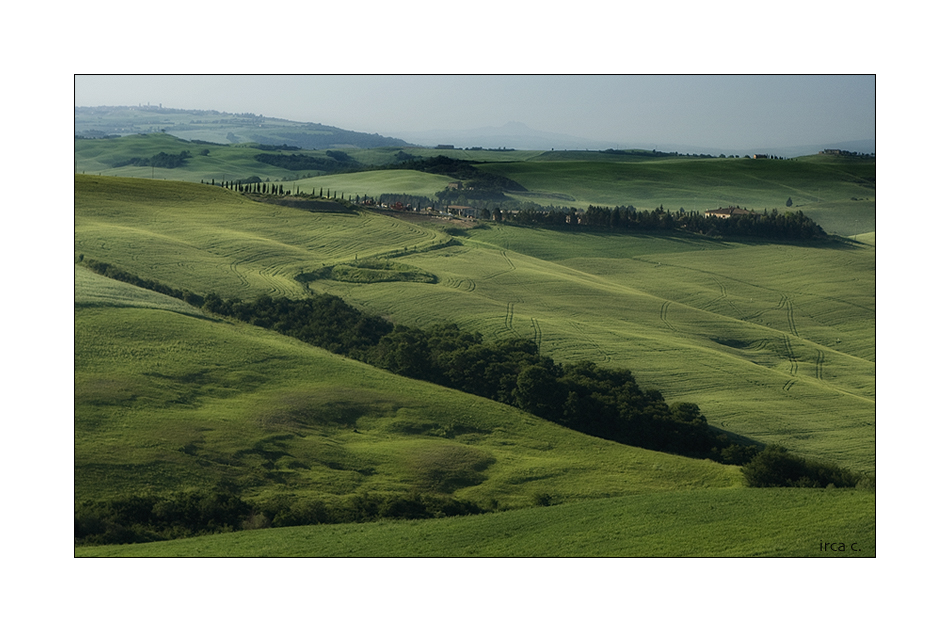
(161, 159)
(463, 170)
(283, 147)
(313, 136)
(303, 162)
(774, 225)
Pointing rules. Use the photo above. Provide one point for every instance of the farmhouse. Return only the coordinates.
(732, 211)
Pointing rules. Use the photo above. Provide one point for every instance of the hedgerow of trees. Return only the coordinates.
(302, 162)
(790, 225)
(149, 517)
(161, 159)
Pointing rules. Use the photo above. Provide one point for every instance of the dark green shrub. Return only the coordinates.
(775, 466)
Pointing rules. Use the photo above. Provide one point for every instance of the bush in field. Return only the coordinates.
(775, 466)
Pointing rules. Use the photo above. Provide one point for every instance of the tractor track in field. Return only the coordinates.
(510, 317)
(664, 314)
(463, 285)
(786, 303)
(790, 354)
(537, 333)
(511, 267)
(789, 384)
(820, 365)
(233, 267)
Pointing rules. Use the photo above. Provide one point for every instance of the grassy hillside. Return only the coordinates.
(210, 239)
(168, 400)
(374, 183)
(223, 161)
(703, 523)
(773, 341)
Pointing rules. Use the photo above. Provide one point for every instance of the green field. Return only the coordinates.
(775, 342)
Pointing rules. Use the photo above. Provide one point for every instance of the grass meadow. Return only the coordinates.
(774, 341)
(167, 400)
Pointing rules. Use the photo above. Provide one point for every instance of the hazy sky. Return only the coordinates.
(704, 110)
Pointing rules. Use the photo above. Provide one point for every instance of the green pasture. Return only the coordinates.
(693, 523)
(773, 341)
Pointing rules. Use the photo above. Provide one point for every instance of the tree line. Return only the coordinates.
(335, 162)
(790, 225)
(161, 159)
(150, 517)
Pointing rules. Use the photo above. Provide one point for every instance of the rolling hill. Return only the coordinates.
(836, 191)
(774, 342)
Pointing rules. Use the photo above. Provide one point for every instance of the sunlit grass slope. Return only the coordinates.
(773, 341)
(166, 400)
(374, 183)
(709, 523)
(208, 239)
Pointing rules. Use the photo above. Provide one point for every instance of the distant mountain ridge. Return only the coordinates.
(229, 128)
(221, 127)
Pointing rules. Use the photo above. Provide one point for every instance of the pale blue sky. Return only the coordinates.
(704, 110)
